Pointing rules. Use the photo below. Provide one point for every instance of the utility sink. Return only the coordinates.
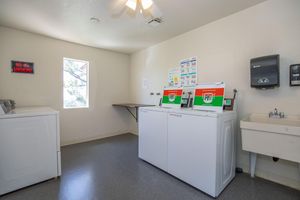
(261, 122)
(275, 137)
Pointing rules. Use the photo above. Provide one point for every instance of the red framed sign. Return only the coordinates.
(172, 97)
(209, 97)
(22, 67)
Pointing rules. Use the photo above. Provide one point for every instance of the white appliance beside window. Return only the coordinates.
(29, 147)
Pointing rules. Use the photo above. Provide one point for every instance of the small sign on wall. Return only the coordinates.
(22, 67)
(172, 97)
(209, 97)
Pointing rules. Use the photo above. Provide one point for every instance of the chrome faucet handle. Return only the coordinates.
(281, 114)
(275, 111)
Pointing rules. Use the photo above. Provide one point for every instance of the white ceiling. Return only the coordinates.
(118, 31)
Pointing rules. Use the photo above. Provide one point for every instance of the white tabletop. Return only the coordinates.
(29, 112)
(189, 111)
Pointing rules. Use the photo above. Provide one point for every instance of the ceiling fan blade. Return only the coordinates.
(117, 8)
(117, 4)
(155, 11)
(152, 12)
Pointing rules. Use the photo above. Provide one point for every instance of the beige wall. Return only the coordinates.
(224, 49)
(108, 83)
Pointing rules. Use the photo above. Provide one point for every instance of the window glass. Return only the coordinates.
(76, 83)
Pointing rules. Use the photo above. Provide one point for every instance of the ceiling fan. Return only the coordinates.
(147, 8)
(142, 4)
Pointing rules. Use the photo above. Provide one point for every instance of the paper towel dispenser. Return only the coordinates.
(295, 75)
(265, 72)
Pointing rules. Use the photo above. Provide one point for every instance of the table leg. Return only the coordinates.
(252, 160)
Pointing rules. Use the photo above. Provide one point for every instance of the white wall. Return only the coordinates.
(224, 49)
(109, 72)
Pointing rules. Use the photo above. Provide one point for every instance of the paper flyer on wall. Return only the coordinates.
(174, 77)
(188, 71)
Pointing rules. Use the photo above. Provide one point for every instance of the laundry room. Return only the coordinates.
(149, 99)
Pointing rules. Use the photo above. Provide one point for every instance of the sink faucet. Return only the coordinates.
(276, 113)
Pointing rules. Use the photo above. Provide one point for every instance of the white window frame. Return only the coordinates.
(87, 84)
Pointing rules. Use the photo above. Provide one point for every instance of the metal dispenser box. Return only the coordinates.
(265, 72)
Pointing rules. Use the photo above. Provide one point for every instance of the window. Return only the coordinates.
(76, 83)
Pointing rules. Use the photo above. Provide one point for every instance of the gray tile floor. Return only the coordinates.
(109, 169)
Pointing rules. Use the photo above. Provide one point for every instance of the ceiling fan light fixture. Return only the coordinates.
(146, 4)
(131, 4)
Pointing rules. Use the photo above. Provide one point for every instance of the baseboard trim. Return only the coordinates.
(91, 139)
(133, 132)
(273, 177)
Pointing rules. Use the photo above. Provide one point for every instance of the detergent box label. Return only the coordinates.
(172, 97)
(209, 97)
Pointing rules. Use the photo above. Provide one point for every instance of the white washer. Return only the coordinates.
(29, 147)
(198, 147)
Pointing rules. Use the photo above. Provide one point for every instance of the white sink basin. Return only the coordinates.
(274, 137)
(262, 118)
(262, 122)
